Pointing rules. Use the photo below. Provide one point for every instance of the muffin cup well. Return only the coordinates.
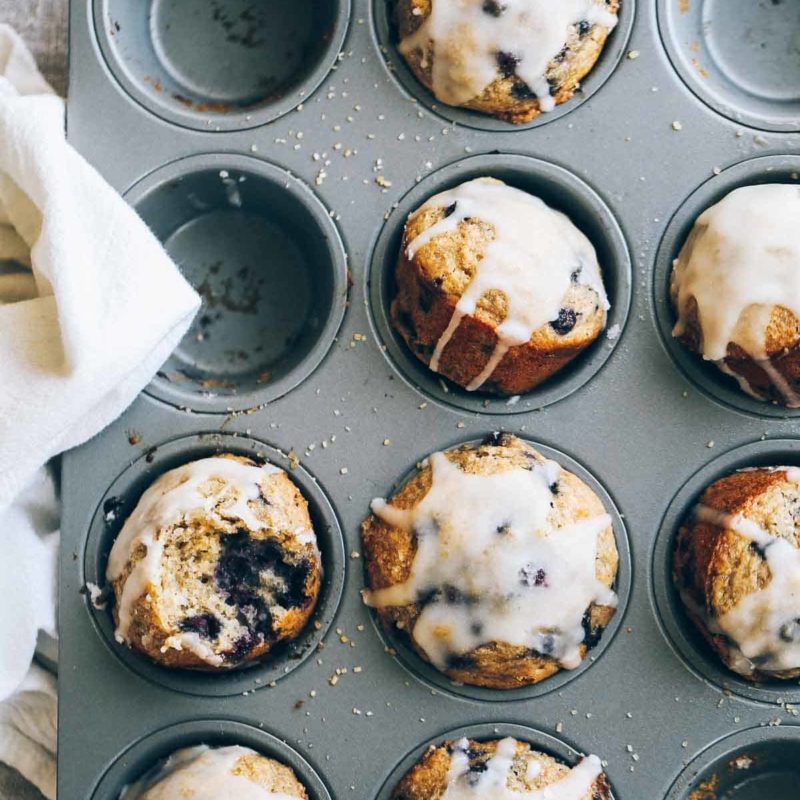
(703, 374)
(265, 256)
(220, 65)
(754, 764)
(119, 501)
(399, 646)
(148, 751)
(558, 188)
(384, 31)
(738, 57)
(679, 630)
(486, 731)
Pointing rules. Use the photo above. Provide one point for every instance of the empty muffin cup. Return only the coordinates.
(385, 31)
(680, 631)
(705, 374)
(152, 750)
(121, 499)
(267, 260)
(562, 191)
(738, 56)
(220, 64)
(755, 764)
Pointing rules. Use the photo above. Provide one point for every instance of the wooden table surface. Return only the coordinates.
(43, 26)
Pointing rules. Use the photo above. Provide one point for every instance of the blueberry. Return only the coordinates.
(506, 63)
(584, 27)
(592, 633)
(207, 625)
(566, 321)
(790, 632)
(554, 489)
(493, 7)
(498, 439)
(576, 274)
(450, 210)
(532, 576)
(460, 662)
(521, 91)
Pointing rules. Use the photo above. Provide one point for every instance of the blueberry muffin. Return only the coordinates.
(513, 59)
(737, 568)
(502, 767)
(736, 290)
(495, 290)
(205, 773)
(495, 564)
(217, 564)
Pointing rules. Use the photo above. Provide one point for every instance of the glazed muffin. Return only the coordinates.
(512, 60)
(495, 564)
(502, 767)
(495, 290)
(737, 568)
(736, 290)
(217, 564)
(205, 773)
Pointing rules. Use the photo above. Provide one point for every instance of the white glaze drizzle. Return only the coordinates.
(492, 783)
(489, 537)
(201, 773)
(532, 258)
(764, 626)
(742, 260)
(467, 39)
(174, 499)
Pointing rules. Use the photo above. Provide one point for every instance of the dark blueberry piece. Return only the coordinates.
(475, 771)
(207, 625)
(438, 282)
(111, 509)
(428, 596)
(476, 629)
(592, 633)
(454, 595)
(584, 27)
(532, 576)
(494, 7)
(498, 439)
(554, 487)
(756, 548)
(460, 662)
(506, 63)
(552, 86)
(450, 210)
(521, 91)
(576, 274)
(547, 645)
(790, 632)
(504, 528)
(242, 646)
(561, 55)
(567, 318)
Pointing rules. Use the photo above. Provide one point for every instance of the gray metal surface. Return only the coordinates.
(632, 413)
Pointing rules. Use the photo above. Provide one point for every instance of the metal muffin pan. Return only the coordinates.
(355, 149)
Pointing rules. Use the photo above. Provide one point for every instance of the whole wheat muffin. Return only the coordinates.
(736, 290)
(494, 563)
(495, 290)
(512, 59)
(205, 773)
(216, 565)
(480, 769)
(737, 567)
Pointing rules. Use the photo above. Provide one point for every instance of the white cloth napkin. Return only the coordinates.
(89, 310)
(103, 307)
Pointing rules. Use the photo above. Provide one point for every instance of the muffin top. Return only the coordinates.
(476, 42)
(205, 773)
(528, 258)
(503, 769)
(738, 274)
(746, 568)
(492, 544)
(211, 496)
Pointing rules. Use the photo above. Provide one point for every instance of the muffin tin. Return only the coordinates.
(327, 152)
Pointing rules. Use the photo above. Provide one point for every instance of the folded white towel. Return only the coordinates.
(103, 306)
(89, 309)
